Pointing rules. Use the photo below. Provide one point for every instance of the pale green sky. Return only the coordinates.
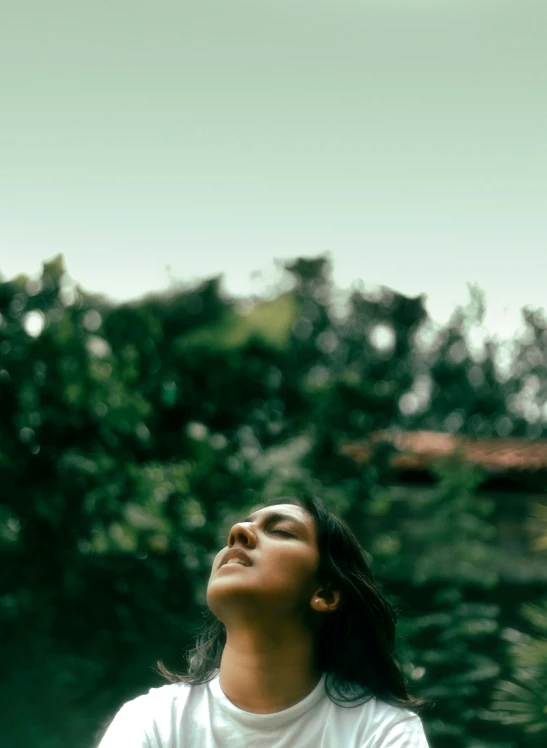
(407, 137)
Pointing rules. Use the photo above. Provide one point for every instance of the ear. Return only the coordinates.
(326, 599)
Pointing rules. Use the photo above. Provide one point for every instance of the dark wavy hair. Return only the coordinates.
(355, 646)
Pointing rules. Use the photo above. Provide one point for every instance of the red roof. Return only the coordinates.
(416, 450)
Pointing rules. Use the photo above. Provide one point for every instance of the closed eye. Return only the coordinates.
(279, 531)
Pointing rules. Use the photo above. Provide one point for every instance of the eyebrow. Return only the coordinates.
(276, 517)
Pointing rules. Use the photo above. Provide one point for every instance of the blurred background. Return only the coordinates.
(251, 250)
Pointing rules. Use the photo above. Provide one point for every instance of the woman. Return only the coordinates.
(298, 651)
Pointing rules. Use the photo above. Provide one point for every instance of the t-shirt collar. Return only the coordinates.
(274, 719)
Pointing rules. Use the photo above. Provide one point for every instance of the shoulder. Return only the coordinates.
(163, 697)
(142, 716)
(175, 692)
(381, 725)
(395, 726)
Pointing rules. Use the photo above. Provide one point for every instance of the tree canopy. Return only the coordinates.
(131, 435)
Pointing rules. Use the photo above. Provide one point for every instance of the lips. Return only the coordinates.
(239, 555)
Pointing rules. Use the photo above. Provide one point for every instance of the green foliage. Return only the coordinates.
(132, 436)
(449, 631)
(522, 701)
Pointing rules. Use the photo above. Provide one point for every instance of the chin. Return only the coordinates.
(225, 593)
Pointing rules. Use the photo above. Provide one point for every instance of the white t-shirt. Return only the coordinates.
(183, 716)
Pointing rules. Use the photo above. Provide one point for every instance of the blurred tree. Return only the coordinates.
(481, 386)
(521, 700)
(132, 435)
(444, 582)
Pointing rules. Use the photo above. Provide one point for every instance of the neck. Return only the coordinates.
(266, 671)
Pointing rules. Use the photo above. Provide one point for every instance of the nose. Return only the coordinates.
(243, 534)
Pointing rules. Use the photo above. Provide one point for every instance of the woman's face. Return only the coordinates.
(270, 563)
